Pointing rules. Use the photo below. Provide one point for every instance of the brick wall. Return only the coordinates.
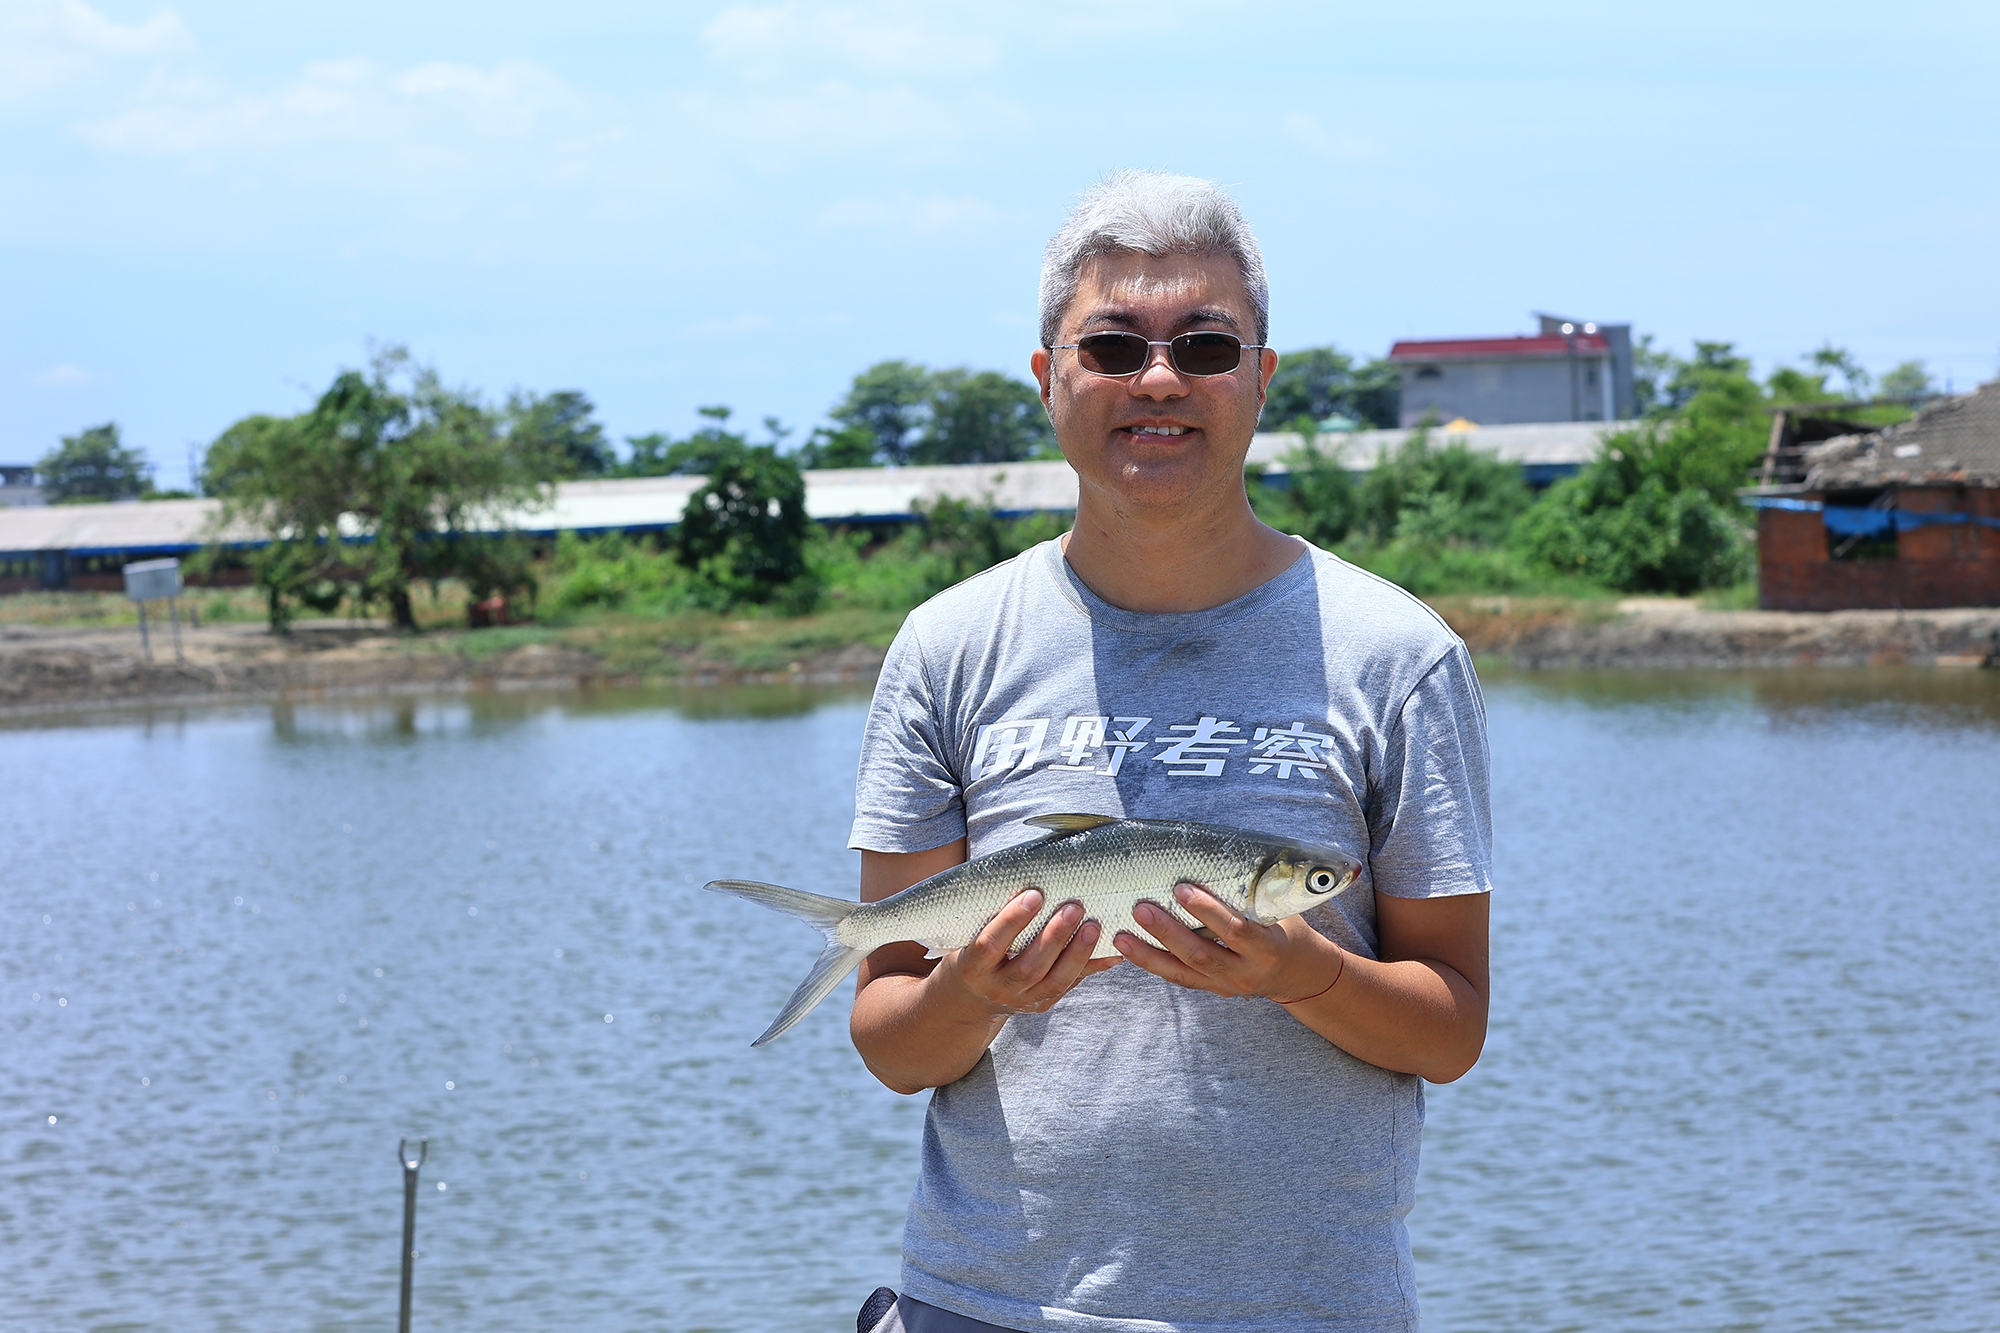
(1935, 566)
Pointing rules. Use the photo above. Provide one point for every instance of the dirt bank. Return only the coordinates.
(1669, 632)
(54, 667)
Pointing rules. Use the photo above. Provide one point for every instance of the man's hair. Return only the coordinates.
(1154, 213)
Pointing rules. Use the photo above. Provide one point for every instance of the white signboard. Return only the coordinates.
(153, 580)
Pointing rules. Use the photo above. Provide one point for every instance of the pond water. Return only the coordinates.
(1744, 1070)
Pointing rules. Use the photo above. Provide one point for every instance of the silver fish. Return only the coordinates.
(1107, 864)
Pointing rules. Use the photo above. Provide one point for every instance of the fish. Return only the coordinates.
(1106, 863)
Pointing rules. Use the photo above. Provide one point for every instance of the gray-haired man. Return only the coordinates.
(1224, 1136)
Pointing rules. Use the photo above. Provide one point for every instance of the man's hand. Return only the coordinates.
(1031, 981)
(1420, 1008)
(924, 1022)
(1286, 961)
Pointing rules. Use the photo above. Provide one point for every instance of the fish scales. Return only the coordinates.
(1108, 865)
(1109, 870)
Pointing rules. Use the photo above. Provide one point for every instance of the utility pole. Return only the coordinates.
(1575, 401)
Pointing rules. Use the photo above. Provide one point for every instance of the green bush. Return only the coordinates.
(1656, 510)
(745, 530)
(1319, 501)
(613, 572)
(950, 542)
(1440, 495)
(1648, 538)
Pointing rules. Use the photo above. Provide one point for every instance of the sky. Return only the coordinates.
(210, 209)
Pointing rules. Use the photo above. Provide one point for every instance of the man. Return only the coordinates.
(1222, 1136)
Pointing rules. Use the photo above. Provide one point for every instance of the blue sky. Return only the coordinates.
(208, 209)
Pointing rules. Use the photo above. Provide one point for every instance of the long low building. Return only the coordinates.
(83, 547)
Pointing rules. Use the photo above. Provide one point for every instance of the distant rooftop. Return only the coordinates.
(1482, 349)
(1954, 441)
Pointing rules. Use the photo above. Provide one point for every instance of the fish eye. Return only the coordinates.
(1321, 880)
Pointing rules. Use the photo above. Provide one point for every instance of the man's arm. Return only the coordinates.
(1418, 1009)
(924, 1022)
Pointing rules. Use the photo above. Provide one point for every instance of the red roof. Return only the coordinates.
(1468, 349)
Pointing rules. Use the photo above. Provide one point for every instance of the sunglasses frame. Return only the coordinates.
(1173, 354)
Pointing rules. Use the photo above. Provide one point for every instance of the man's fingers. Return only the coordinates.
(988, 950)
(1228, 925)
(1173, 934)
(1067, 968)
(1161, 963)
(1034, 963)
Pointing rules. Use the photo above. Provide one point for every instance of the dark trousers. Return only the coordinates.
(910, 1315)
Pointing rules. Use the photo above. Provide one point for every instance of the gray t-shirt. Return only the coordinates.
(1144, 1157)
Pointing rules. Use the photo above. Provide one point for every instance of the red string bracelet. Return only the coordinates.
(1329, 985)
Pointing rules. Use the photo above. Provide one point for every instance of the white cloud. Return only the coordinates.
(46, 44)
(65, 376)
(337, 101)
(788, 86)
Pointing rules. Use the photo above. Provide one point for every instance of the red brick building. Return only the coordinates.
(1902, 518)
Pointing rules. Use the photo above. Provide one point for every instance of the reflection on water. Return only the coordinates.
(1744, 1072)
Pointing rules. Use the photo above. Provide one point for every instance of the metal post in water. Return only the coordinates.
(145, 641)
(174, 610)
(410, 1169)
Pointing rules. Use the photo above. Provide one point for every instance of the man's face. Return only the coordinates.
(1158, 439)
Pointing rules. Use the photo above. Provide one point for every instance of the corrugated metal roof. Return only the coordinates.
(855, 495)
(1535, 444)
(1954, 441)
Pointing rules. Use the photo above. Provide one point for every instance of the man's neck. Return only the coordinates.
(1175, 562)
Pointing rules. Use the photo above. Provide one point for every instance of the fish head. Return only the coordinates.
(1297, 879)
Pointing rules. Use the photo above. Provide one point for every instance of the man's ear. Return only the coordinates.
(1039, 365)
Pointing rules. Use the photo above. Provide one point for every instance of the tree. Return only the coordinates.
(390, 478)
(1318, 501)
(1910, 382)
(744, 531)
(660, 455)
(560, 425)
(1832, 360)
(93, 466)
(1655, 510)
(981, 417)
(1321, 383)
(849, 446)
(1455, 494)
(888, 400)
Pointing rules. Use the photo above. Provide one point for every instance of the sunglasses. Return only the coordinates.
(1196, 354)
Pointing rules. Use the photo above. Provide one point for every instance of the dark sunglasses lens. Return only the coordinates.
(1207, 353)
(1111, 353)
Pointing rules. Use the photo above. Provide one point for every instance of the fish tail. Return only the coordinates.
(814, 909)
(825, 913)
(831, 969)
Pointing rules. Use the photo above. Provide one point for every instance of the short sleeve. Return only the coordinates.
(906, 796)
(1430, 821)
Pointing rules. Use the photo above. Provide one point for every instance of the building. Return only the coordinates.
(1902, 518)
(17, 485)
(1545, 451)
(84, 547)
(1569, 370)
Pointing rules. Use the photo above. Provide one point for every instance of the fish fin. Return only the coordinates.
(814, 909)
(1064, 825)
(831, 969)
